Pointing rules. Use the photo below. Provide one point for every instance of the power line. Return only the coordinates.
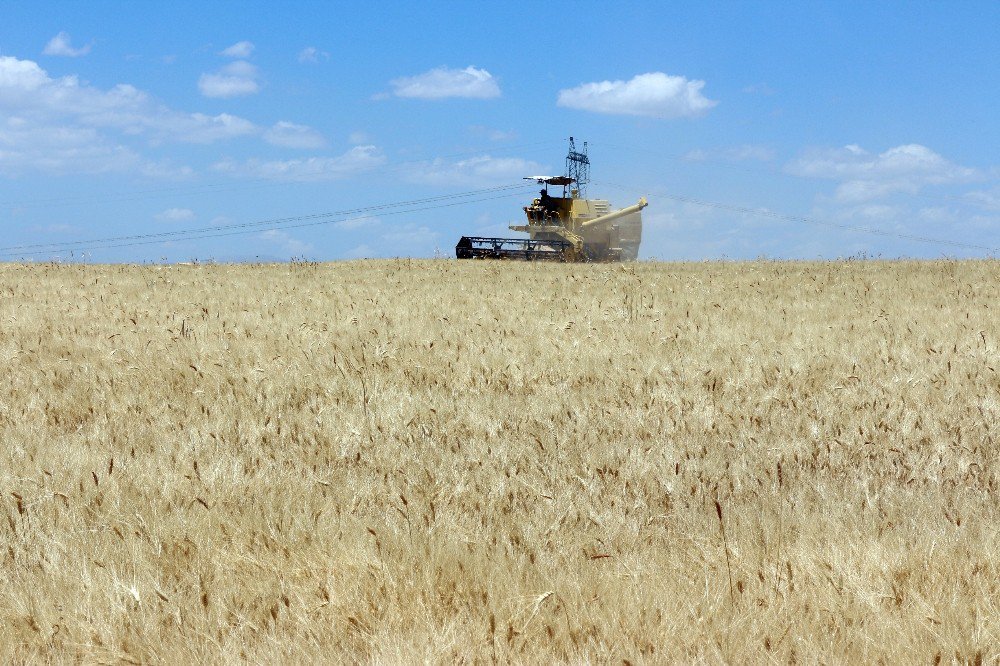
(253, 183)
(807, 220)
(422, 204)
(274, 221)
(443, 201)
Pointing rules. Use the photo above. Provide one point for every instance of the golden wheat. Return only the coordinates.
(407, 461)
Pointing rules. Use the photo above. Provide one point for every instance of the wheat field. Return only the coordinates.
(412, 461)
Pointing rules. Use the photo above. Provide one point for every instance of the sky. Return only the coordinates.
(266, 131)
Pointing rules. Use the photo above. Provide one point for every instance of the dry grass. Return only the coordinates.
(408, 461)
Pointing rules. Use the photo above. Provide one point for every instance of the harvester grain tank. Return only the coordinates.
(568, 227)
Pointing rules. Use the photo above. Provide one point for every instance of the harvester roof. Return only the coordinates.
(551, 180)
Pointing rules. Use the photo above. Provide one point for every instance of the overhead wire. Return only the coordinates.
(417, 205)
(272, 221)
(296, 222)
(251, 183)
(807, 220)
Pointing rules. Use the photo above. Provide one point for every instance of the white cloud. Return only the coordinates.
(24, 75)
(363, 222)
(398, 241)
(312, 54)
(58, 228)
(235, 79)
(491, 133)
(444, 82)
(481, 170)
(61, 149)
(358, 137)
(290, 135)
(409, 237)
(678, 230)
(865, 176)
(61, 125)
(201, 128)
(238, 50)
(175, 215)
(363, 251)
(285, 243)
(985, 199)
(744, 153)
(656, 95)
(987, 224)
(938, 215)
(877, 212)
(28, 92)
(60, 46)
(312, 169)
(64, 149)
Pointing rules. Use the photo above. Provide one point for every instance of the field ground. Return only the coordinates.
(405, 461)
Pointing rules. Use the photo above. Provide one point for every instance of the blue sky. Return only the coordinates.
(789, 130)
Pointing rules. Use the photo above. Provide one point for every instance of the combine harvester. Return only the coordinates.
(566, 228)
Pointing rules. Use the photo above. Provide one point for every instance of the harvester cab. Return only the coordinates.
(546, 208)
(569, 227)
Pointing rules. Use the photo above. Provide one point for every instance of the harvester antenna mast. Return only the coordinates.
(578, 168)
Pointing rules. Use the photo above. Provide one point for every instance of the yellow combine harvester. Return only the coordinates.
(566, 228)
